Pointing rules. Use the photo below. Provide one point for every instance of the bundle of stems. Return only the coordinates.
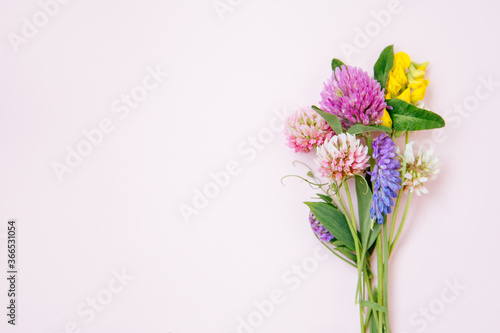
(370, 258)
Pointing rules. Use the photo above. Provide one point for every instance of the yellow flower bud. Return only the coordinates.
(419, 93)
(422, 66)
(415, 84)
(386, 119)
(415, 72)
(406, 80)
(405, 95)
(399, 75)
(393, 86)
(402, 59)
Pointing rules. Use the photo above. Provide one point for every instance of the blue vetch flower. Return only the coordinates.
(384, 176)
(320, 231)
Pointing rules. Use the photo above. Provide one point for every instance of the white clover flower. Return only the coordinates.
(341, 156)
(420, 168)
(306, 129)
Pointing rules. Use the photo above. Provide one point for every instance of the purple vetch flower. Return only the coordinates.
(323, 234)
(384, 176)
(353, 96)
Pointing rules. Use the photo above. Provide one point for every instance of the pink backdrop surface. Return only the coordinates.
(116, 115)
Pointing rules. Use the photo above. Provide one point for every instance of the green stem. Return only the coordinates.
(370, 295)
(380, 282)
(351, 209)
(369, 141)
(354, 232)
(351, 222)
(400, 192)
(387, 244)
(368, 317)
(362, 317)
(353, 228)
(395, 214)
(341, 201)
(361, 285)
(402, 224)
(338, 255)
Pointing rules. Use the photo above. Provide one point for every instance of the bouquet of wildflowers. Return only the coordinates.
(356, 132)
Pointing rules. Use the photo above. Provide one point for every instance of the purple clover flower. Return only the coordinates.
(353, 96)
(384, 176)
(323, 234)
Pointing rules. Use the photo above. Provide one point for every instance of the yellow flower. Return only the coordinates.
(414, 84)
(418, 94)
(415, 72)
(399, 75)
(397, 80)
(386, 120)
(406, 79)
(422, 66)
(393, 86)
(401, 59)
(405, 95)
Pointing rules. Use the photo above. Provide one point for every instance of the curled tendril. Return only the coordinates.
(333, 185)
(316, 184)
(310, 173)
(366, 183)
(344, 181)
(307, 181)
(307, 166)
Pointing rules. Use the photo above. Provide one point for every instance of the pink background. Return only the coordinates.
(120, 208)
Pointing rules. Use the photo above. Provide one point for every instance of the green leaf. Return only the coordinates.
(374, 234)
(359, 128)
(384, 65)
(397, 134)
(369, 181)
(364, 194)
(407, 117)
(347, 253)
(367, 235)
(373, 306)
(368, 270)
(325, 198)
(334, 221)
(373, 324)
(336, 63)
(331, 119)
(336, 242)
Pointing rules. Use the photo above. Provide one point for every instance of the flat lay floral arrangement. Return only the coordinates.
(360, 133)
